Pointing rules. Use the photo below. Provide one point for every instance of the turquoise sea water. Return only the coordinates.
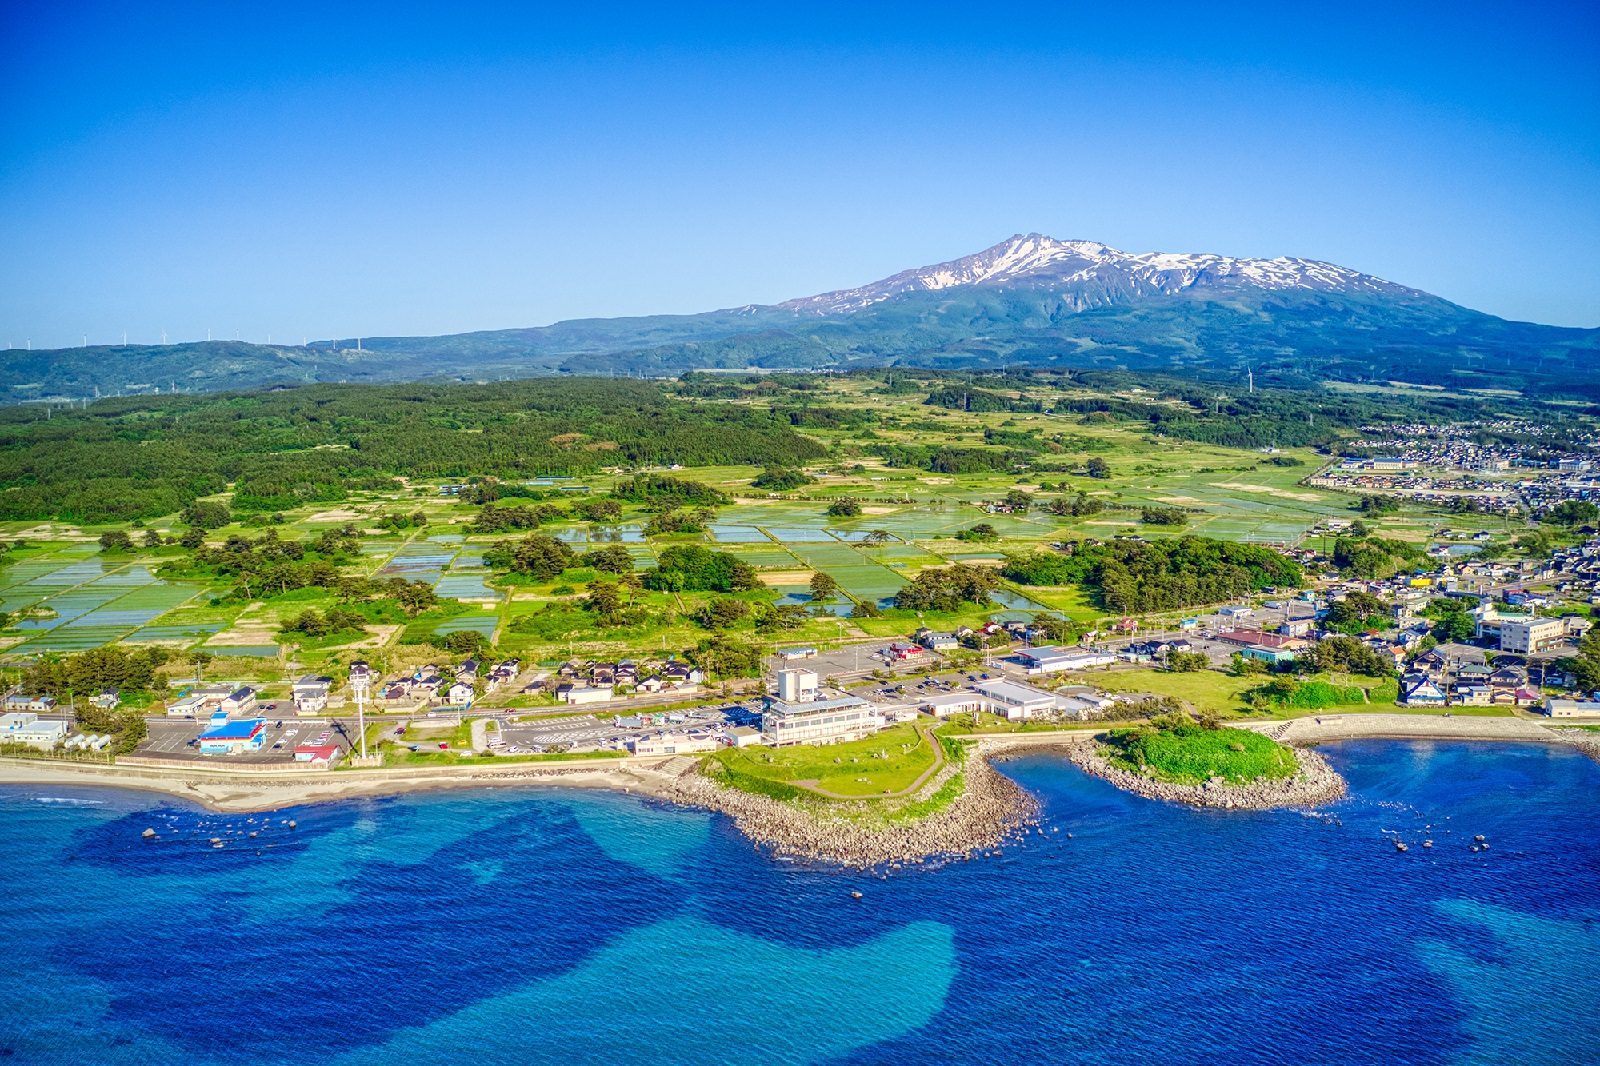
(542, 926)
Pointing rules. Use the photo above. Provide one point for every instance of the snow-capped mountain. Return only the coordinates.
(1028, 301)
(1089, 274)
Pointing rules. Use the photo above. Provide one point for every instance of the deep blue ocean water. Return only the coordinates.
(534, 926)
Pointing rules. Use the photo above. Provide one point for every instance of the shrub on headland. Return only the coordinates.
(1175, 749)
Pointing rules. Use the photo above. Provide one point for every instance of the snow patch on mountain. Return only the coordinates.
(1089, 271)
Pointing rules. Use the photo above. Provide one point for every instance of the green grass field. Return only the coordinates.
(887, 762)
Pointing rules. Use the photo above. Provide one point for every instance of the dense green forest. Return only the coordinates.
(142, 457)
(1132, 576)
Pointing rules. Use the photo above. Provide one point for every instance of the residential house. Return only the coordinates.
(310, 694)
(682, 673)
(240, 701)
(1421, 692)
(25, 701)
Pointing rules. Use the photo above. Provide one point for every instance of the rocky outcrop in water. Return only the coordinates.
(1315, 783)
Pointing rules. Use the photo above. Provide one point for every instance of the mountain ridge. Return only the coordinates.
(1028, 300)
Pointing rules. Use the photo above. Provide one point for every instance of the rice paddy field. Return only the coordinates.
(63, 594)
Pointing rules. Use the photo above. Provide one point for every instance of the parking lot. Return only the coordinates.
(176, 740)
(587, 732)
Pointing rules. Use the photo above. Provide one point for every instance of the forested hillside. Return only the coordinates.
(131, 458)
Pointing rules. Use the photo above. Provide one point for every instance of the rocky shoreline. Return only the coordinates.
(1315, 783)
(992, 810)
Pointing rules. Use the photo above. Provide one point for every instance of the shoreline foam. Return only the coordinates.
(991, 809)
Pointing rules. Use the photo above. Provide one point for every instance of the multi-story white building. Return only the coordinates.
(797, 686)
(1526, 636)
(819, 721)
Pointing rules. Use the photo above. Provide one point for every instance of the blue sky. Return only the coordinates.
(323, 169)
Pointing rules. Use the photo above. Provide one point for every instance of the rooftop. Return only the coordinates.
(241, 730)
(1012, 692)
(835, 703)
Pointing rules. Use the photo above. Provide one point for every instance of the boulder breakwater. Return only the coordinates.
(1315, 782)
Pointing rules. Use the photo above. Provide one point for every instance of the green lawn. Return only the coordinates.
(1207, 690)
(889, 761)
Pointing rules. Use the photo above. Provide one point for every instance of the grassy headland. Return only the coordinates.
(886, 762)
(1188, 753)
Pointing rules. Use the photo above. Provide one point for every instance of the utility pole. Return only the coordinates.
(360, 683)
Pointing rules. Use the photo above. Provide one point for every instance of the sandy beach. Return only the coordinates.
(237, 789)
(247, 789)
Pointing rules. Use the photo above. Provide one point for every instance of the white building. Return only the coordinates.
(311, 694)
(460, 694)
(1014, 701)
(1572, 708)
(675, 744)
(819, 721)
(962, 701)
(22, 701)
(1051, 660)
(240, 702)
(1531, 635)
(25, 727)
(588, 694)
(186, 706)
(797, 686)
